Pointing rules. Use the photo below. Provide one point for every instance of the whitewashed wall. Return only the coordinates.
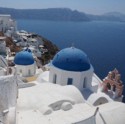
(2, 46)
(24, 70)
(8, 96)
(78, 77)
(7, 22)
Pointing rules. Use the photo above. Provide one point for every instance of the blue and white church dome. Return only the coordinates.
(71, 59)
(71, 66)
(25, 64)
(24, 58)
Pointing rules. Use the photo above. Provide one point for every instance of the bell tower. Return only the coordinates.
(112, 85)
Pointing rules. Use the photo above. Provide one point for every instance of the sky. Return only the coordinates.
(87, 6)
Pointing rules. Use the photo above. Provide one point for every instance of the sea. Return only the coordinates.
(102, 41)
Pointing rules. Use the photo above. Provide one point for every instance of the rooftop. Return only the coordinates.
(36, 104)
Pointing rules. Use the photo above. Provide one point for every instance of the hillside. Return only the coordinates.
(54, 14)
(11, 44)
(52, 48)
(61, 14)
(111, 16)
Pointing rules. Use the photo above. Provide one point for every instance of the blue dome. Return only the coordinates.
(71, 59)
(24, 58)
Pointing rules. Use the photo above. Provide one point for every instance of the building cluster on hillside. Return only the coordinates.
(65, 91)
(7, 25)
(20, 38)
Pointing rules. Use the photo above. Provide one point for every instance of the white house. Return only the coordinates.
(3, 46)
(6, 23)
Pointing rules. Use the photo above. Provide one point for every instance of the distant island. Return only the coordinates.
(61, 14)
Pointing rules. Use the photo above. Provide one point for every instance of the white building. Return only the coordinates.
(49, 103)
(25, 63)
(62, 101)
(8, 93)
(28, 39)
(69, 93)
(3, 46)
(71, 67)
(6, 23)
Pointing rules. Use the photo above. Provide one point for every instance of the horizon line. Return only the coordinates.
(61, 8)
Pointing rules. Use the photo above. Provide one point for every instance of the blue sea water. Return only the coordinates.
(103, 42)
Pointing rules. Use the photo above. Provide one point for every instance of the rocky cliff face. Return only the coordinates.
(52, 50)
(53, 14)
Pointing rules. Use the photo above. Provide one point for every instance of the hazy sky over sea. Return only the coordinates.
(88, 6)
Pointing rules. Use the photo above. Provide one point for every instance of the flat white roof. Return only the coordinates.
(34, 101)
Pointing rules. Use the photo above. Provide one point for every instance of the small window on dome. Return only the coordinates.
(54, 79)
(70, 81)
(85, 82)
(29, 71)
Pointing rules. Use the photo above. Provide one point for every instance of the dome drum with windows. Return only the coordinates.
(71, 66)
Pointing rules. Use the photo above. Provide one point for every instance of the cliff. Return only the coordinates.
(61, 14)
(52, 50)
(53, 14)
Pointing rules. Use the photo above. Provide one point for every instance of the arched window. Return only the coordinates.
(85, 82)
(108, 86)
(54, 78)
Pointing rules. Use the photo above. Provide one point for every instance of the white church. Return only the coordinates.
(25, 63)
(69, 92)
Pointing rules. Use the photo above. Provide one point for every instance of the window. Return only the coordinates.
(114, 88)
(54, 78)
(85, 82)
(20, 71)
(29, 72)
(70, 81)
(108, 86)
